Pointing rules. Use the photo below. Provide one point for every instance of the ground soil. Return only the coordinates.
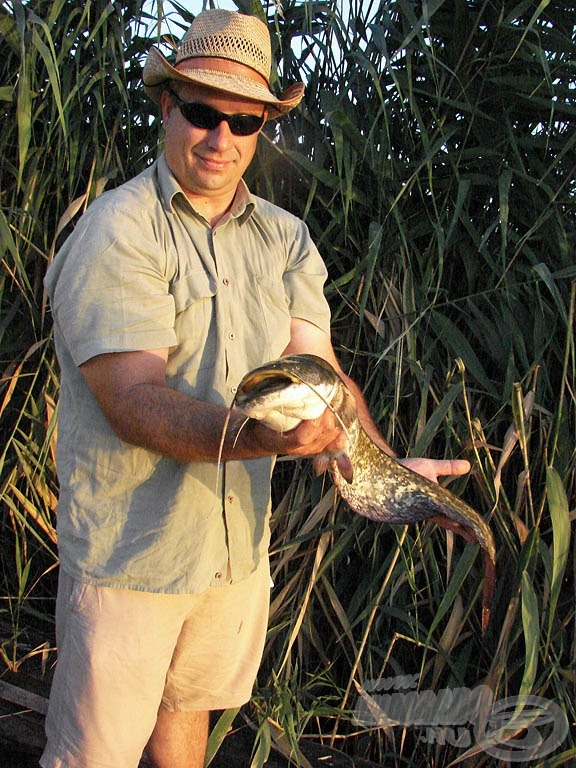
(23, 700)
(22, 734)
(235, 751)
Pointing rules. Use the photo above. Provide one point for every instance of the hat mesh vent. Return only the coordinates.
(237, 49)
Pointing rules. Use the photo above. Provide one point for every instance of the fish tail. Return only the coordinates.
(488, 586)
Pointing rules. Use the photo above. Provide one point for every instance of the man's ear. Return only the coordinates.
(166, 104)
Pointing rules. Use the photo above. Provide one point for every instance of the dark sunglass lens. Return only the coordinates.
(201, 115)
(244, 125)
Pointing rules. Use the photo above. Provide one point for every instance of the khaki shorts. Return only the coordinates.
(122, 654)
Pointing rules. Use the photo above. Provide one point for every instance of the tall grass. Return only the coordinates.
(65, 97)
(434, 162)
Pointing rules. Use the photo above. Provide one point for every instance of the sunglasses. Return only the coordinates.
(202, 116)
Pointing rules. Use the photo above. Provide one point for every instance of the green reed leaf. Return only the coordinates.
(532, 630)
(560, 516)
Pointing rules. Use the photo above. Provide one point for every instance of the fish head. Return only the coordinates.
(284, 392)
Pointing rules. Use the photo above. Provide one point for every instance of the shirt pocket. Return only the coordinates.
(195, 286)
(194, 323)
(275, 312)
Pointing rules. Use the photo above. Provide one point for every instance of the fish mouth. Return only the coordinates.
(265, 381)
(279, 374)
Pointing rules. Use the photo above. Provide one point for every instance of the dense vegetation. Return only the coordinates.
(434, 162)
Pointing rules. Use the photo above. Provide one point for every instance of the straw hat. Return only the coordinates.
(225, 50)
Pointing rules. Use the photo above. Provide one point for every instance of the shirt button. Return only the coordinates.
(230, 498)
(217, 575)
(231, 335)
(234, 389)
(226, 281)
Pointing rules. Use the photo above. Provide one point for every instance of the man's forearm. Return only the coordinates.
(365, 416)
(162, 419)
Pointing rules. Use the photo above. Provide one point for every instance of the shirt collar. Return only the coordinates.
(167, 183)
(243, 203)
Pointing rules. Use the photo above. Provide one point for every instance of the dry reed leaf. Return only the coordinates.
(319, 555)
(449, 638)
(33, 514)
(510, 439)
(51, 419)
(13, 374)
(285, 747)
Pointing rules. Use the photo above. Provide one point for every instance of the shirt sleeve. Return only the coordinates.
(108, 287)
(304, 280)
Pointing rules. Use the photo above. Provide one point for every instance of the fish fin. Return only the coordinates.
(334, 461)
(452, 525)
(489, 567)
(342, 463)
(320, 463)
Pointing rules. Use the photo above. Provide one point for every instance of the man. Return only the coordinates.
(169, 290)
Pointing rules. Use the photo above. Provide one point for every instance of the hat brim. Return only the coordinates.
(158, 71)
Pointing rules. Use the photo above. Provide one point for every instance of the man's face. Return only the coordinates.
(207, 163)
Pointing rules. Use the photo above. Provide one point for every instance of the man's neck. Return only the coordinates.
(213, 209)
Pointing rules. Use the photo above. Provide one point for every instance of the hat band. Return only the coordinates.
(221, 65)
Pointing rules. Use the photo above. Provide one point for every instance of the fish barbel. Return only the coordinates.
(284, 392)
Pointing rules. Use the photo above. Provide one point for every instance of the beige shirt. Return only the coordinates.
(143, 270)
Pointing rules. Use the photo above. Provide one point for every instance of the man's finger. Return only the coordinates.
(455, 467)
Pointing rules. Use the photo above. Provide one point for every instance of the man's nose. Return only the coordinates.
(221, 136)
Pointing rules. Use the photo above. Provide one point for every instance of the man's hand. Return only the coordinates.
(435, 468)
